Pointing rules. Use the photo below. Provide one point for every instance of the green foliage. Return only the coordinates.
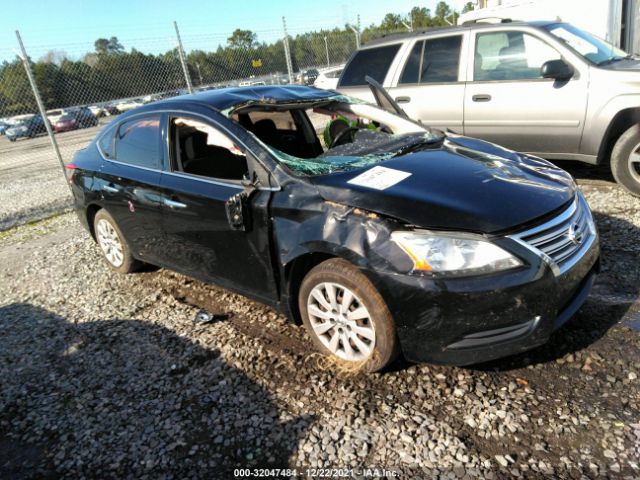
(15, 92)
(111, 73)
(242, 39)
(105, 47)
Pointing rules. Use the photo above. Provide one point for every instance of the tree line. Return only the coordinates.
(110, 72)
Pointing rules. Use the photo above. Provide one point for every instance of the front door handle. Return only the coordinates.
(481, 98)
(174, 204)
(110, 189)
(403, 99)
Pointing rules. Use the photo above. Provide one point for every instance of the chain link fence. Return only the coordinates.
(82, 86)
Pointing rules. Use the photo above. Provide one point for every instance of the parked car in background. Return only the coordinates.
(251, 83)
(327, 79)
(55, 114)
(126, 105)
(111, 109)
(25, 126)
(545, 88)
(75, 119)
(98, 110)
(309, 76)
(391, 238)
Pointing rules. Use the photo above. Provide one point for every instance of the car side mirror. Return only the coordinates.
(237, 206)
(556, 69)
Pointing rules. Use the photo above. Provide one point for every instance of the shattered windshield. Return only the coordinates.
(332, 135)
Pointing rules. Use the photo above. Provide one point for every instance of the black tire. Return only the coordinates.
(626, 173)
(338, 271)
(127, 264)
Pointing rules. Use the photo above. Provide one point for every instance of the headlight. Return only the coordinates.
(453, 254)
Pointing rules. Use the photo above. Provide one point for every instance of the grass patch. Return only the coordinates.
(33, 228)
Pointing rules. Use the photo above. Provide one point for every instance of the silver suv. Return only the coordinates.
(545, 88)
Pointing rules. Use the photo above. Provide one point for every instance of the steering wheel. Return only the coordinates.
(343, 134)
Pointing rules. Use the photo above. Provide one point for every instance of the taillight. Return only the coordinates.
(69, 169)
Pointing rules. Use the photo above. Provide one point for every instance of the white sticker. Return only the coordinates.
(379, 178)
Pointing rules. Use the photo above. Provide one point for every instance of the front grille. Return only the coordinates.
(564, 238)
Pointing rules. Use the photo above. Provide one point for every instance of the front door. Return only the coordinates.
(206, 170)
(507, 101)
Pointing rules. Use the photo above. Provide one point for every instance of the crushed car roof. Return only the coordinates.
(225, 98)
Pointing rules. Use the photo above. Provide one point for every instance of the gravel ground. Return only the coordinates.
(31, 182)
(106, 375)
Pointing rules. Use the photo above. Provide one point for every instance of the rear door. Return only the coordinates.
(129, 181)
(206, 169)
(509, 103)
(430, 86)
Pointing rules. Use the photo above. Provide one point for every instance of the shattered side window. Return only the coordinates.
(198, 148)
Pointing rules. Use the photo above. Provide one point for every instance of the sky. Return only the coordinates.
(73, 25)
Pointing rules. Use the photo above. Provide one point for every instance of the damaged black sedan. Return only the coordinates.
(381, 235)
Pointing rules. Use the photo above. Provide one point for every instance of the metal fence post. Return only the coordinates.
(185, 69)
(43, 111)
(287, 51)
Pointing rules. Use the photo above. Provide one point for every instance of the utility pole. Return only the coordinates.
(43, 113)
(199, 72)
(287, 51)
(410, 24)
(326, 49)
(357, 32)
(185, 69)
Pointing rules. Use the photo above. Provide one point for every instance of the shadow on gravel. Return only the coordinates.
(108, 398)
(616, 290)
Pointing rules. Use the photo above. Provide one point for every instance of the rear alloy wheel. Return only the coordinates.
(625, 160)
(113, 245)
(346, 316)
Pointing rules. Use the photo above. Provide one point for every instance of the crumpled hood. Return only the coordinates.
(462, 184)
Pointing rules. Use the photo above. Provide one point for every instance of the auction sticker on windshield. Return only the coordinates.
(379, 178)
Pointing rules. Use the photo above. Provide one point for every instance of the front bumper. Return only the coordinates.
(462, 321)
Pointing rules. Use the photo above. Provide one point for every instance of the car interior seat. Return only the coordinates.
(199, 158)
(512, 63)
(266, 131)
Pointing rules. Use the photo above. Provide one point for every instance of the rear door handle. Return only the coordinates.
(110, 189)
(174, 204)
(403, 99)
(481, 98)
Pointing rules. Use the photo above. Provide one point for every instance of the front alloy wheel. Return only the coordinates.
(346, 316)
(341, 321)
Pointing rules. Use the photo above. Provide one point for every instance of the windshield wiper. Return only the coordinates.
(437, 140)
